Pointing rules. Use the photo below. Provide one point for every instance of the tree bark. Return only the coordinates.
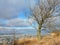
(39, 32)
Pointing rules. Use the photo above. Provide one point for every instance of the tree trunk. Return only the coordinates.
(39, 32)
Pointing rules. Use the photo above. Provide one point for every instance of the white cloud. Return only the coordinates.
(18, 22)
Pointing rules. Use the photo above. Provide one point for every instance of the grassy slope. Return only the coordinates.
(48, 40)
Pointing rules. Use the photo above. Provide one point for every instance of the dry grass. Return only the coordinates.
(26, 41)
(48, 40)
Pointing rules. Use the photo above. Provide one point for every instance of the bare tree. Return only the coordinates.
(41, 12)
(54, 25)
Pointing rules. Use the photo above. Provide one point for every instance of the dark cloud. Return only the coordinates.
(11, 8)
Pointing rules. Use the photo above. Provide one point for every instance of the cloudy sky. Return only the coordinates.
(12, 13)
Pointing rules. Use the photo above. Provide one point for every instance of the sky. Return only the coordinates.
(12, 13)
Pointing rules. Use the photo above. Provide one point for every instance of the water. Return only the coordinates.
(23, 31)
